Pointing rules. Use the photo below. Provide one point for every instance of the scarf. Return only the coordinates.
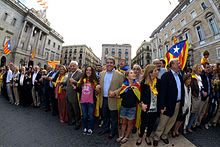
(29, 76)
(204, 60)
(60, 89)
(135, 86)
(153, 87)
(199, 80)
(123, 69)
(86, 80)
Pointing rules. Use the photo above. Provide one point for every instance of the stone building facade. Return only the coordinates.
(117, 51)
(143, 55)
(80, 53)
(27, 29)
(197, 20)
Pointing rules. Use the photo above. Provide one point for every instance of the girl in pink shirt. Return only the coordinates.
(86, 87)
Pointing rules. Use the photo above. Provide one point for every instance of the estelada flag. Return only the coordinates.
(33, 54)
(7, 47)
(43, 4)
(53, 63)
(174, 40)
(178, 51)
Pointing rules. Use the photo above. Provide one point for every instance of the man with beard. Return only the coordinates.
(98, 70)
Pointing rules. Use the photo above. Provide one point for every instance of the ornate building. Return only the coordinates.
(80, 53)
(143, 55)
(117, 51)
(197, 20)
(27, 29)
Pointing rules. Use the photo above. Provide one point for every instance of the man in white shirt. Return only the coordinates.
(8, 84)
(36, 75)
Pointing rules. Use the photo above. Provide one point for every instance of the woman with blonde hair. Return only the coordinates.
(61, 94)
(149, 100)
(196, 88)
(130, 94)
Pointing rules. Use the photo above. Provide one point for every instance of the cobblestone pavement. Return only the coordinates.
(205, 138)
(32, 127)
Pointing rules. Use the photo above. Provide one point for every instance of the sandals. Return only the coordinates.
(189, 130)
(124, 140)
(119, 139)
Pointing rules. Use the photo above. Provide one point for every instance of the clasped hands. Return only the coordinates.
(111, 93)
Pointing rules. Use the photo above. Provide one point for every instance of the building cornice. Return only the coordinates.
(176, 11)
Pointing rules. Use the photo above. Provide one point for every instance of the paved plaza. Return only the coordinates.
(32, 127)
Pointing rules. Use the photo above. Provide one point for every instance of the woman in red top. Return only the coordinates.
(61, 94)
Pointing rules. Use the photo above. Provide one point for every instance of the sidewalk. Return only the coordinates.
(180, 141)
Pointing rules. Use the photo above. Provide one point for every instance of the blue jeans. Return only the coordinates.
(191, 120)
(88, 110)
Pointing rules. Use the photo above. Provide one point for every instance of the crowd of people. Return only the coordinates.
(153, 100)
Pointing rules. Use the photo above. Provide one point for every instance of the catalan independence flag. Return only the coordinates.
(53, 63)
(7, 47)
(178, 51)
(135, 86)
(123, 69)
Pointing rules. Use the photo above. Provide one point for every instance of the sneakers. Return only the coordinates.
(84, 131)
(89, 132)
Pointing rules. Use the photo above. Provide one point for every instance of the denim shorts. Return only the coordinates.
(128, 113)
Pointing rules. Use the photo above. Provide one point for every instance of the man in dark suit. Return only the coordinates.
(28, 86)
(22, 87)
(47, 88)
(171, 99)
(72, 102)
(206, 90)
(35, 77)
(53, 100)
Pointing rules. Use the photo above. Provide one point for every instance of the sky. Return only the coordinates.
(97, 22)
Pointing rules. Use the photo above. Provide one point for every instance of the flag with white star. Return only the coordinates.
(179, 51)
(7, 47)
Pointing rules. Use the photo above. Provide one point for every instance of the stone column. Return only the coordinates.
(21, 33)
(45, 40)
(30, 36)
(38, 38)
